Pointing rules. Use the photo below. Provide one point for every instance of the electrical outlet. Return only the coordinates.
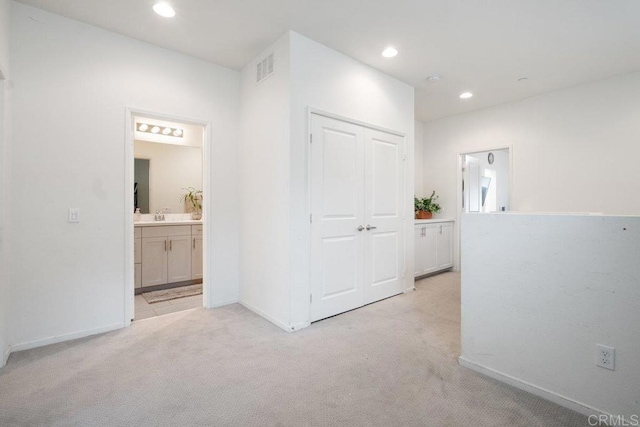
(74, 215)
(606, 357)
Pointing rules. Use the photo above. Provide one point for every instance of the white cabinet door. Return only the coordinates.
(179, 259)
(384, 236)
(430, 249)
(137, 251)
(137, 268)
(418, 251)
(445, 245)
(196, 257)
(154, 261)
(337, 206)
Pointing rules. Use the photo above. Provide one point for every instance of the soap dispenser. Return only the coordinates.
(137, 216)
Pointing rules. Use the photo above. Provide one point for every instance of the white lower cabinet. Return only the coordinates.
(196, 257)
(167, 255)
(154, 261)
(433, 247)
(137, 259)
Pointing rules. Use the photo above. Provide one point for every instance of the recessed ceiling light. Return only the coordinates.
(434, 78)
(143, 127)
(164, 9)
(466, 95)
(390, 52)
(166, 131)
(155, 129)
(177, 132)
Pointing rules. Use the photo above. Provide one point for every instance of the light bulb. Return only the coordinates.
(390, 52)
(164, 9)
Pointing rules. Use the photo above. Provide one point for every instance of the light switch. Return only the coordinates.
(74, 215)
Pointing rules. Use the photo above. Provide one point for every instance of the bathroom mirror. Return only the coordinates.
(161, 172)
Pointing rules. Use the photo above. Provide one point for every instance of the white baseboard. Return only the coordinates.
(5, 357)
(223, 303)
(66, 337)
(532, 388)
(299, 326)
(261, 313)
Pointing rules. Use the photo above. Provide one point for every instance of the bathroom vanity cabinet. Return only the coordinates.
(433, 240)
(167, 254)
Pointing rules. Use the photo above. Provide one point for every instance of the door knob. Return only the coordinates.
(360, 228)
(370, 227)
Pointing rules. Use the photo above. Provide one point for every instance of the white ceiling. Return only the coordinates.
(476, 45)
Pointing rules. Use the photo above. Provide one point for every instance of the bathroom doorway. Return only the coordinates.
(166, 213)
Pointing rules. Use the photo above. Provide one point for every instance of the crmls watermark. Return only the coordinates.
(614, 420)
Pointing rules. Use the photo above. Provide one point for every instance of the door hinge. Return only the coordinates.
(404, 157)
(311, 218)
(310, 298)
(311, 138)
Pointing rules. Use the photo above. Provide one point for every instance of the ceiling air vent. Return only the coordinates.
(264, 68)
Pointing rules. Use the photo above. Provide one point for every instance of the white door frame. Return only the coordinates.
(207, 281)
(407, 242)
(459, 178)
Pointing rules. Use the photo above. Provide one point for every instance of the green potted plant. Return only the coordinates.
(426, 207)
(192, 200)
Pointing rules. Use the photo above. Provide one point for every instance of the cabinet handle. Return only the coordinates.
(440, 229)
(368, 227)
(165, 245)
(194, 243)
(170, 245)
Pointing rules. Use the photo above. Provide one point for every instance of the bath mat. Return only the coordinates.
(174, 293)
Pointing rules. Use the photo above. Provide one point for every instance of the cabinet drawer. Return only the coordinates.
(196, 230)
(166, 230)
(137, 232)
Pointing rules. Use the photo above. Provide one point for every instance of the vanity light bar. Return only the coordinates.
(160, 130)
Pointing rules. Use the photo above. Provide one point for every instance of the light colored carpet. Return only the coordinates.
(393, 363)
(173, 293)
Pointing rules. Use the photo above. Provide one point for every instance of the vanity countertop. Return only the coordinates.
(166, 222)
(433, 220)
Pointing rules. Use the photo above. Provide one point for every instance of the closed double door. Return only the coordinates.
(357, 233)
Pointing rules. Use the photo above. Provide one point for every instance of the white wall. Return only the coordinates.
(540, 291)
(330, 81)
(72, 83)
(418, 169)
(172, 168)
(274, 242)
(5, 18)
(264, 188)
(574, 150)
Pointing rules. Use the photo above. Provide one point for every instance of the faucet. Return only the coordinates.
(159, 216)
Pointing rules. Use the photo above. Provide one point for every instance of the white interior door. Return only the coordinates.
(384, 243)
(357, 178)
(472, 187)
(337, 188)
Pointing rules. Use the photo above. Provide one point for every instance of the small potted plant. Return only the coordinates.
(192, 200)
(426, 207)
